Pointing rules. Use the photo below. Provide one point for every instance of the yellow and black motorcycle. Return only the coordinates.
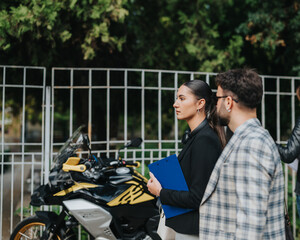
(107, 197)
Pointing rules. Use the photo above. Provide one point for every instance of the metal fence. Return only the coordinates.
(115, 105)
(20, 158)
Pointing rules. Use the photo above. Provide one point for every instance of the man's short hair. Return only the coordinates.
(244, 83)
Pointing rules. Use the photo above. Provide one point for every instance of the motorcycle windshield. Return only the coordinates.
(74, 143)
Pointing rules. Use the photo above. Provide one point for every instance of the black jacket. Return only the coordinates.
(292, 149)
(197, 160)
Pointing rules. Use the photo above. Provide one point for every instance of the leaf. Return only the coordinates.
(122, 13)
(65, 35)
(96, 14)
(191, 49)
(72, 4)
(105, 38)
(6, 47)
(21, 13)
(88, 52)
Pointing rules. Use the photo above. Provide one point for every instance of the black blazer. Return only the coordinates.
(292, 150)
(197, 160)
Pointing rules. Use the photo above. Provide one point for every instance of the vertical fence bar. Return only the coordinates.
(293, 102)
(151, 154)
(278, 130)
(79, 232)
(175, 116)
(192, 76)
(107, 109)
(2, 146)
(32, 180)
(159, 115)
(125, 110)
(71, 101)
(52, 115)
(90, 106)
(143, 115)
(11, 193)
(207, 79)
(23, 140)
(43, 119)
(263, 118)
(51, 132)
(278, 109)
(47, 134)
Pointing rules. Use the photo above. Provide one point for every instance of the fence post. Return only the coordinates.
(47, 134)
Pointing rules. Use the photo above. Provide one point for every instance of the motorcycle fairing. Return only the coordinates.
(141, 176)
(133, 195)
(75, 187)
(94, 218)
(39, 195)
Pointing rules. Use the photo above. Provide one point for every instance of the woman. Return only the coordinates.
(197, 159)
(292, 150)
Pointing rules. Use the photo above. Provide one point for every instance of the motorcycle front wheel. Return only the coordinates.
(32, 228)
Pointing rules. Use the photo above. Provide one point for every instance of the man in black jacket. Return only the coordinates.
(292, 150)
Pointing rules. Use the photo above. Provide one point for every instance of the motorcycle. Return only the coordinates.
(107, 197)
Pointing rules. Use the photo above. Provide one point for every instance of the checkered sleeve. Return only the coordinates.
(255, 171)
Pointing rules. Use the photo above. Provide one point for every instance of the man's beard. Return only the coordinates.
(223, 121)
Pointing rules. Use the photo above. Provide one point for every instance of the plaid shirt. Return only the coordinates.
(244, 198)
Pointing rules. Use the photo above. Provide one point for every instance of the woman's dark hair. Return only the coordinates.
(202, 90)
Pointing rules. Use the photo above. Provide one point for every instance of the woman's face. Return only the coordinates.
(186, 104)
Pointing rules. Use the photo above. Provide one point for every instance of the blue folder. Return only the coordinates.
(168, 172)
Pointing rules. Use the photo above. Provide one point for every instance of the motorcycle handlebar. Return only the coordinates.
(113, 163)
(131, 163)
(116, 163)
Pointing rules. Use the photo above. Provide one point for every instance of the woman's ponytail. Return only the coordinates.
(213, 120)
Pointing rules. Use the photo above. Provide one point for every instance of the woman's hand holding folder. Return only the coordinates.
(153, 185)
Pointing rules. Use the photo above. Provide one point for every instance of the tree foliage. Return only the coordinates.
(50, 32)
(205, 35)
(272, 31)
(181, 35)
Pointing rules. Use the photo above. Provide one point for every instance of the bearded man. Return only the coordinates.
(244, 198)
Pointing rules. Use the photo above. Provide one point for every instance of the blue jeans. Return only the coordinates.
(298, 204)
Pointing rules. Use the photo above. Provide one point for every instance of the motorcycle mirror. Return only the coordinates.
(136, 142)
(86, 141)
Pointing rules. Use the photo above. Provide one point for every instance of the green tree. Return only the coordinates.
(203, 35)
(184, 36)
(271, 32)
(66, 32)
(62, 33)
